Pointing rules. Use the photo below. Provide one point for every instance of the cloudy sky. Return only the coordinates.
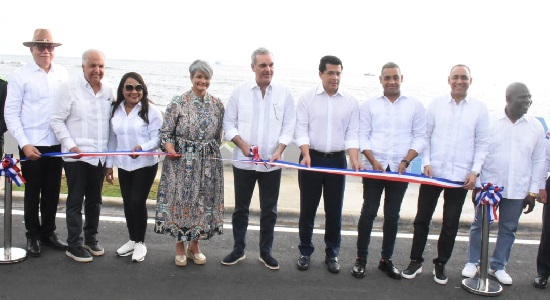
(425, 37)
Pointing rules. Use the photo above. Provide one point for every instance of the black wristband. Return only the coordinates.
(407, 163)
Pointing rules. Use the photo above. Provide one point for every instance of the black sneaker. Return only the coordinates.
(79, 254)
(233, 258)
(94, 248)
(358, 270)
(303, 263)
(414, 268)
(387, 266)
(270, 262)
(439, 273)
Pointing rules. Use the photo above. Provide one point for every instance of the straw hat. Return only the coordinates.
(42, 36)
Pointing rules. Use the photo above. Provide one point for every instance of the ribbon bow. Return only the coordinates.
(255, 153)
(8, 168)
(489, 195)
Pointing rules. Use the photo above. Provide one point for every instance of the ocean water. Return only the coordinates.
(167, 79)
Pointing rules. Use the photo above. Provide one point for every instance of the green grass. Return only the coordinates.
(109, 190)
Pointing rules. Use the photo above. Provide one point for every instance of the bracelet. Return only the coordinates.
(407, 163)
(534, 195)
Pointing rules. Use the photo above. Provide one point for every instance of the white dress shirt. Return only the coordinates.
(390, 130)
(29, 102)
(81, 118)
(458, 137)
(327, 123)
(516, 158)
(130, 130)
(262, 121)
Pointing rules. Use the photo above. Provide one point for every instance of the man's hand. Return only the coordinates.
(428, 171)
(306, 160)
(470, 182)
(109, 175)
(76, 150)
(529, 202)
(31, 152)
(377, 166)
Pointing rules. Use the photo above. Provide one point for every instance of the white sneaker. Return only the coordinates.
(139, 252)
(470, 270)
(126, 249)
(501, 276)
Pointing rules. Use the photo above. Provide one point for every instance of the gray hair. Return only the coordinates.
(201, 65)
(259, 51)
(87, 53)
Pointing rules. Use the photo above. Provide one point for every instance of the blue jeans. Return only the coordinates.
(509, 211)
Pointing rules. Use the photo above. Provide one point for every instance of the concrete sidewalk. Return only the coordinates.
(289, 204)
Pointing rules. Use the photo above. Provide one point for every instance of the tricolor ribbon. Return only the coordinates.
(110, 153)
(392, 176)
(489, 195)
(255, 153)
(9, 168)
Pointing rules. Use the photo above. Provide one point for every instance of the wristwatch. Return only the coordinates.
(407, 163)
(534, 195)
(476, 173)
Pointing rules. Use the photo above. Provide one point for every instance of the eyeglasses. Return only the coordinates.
(130, 88)
(42, 47)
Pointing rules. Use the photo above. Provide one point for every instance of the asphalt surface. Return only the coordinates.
(55, 276)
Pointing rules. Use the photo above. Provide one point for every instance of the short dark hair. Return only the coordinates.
(389, 65)
(331, 60)
(461, 65)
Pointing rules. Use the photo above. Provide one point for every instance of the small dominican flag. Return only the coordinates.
(8, 168)
(489, 195)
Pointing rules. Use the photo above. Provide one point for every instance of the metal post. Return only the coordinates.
(8, 254)
(483, 285)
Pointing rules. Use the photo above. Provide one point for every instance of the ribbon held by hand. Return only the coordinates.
(489, 195)
(9, 168)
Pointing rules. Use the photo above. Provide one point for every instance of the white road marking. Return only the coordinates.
(295, 229)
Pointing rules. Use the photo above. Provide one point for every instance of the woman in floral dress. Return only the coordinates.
(190, 194)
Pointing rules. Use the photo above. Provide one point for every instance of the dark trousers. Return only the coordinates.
(269, 184)
(543, 256)
(452, 208)
(312, 185)
(134, 187)
(85, 183)
(43, 178)
(372, 194)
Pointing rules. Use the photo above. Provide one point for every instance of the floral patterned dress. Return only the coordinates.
(190, 194)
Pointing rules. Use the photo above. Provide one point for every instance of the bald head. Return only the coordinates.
(518, 100)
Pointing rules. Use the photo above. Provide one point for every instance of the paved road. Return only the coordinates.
(55, 276)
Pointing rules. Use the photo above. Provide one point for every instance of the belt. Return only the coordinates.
(327, 154)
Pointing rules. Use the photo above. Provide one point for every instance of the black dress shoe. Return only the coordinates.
(332, 264)
(54, 242)
(388, 268)
(33, 247)
(358, 270)
(303, 263)
(541, 281)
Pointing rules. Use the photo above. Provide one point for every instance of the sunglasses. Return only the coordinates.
(130, 88)
(42, 47)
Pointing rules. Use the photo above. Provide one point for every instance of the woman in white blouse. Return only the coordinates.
(135, 124)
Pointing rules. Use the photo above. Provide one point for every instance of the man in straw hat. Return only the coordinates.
(31, 92)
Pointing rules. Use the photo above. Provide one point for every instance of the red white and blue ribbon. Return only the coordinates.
(392, 176)
(9, 168)
(256, 159)
(489, 195)
(111, 153)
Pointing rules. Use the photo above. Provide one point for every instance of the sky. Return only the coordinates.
(505, 38)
